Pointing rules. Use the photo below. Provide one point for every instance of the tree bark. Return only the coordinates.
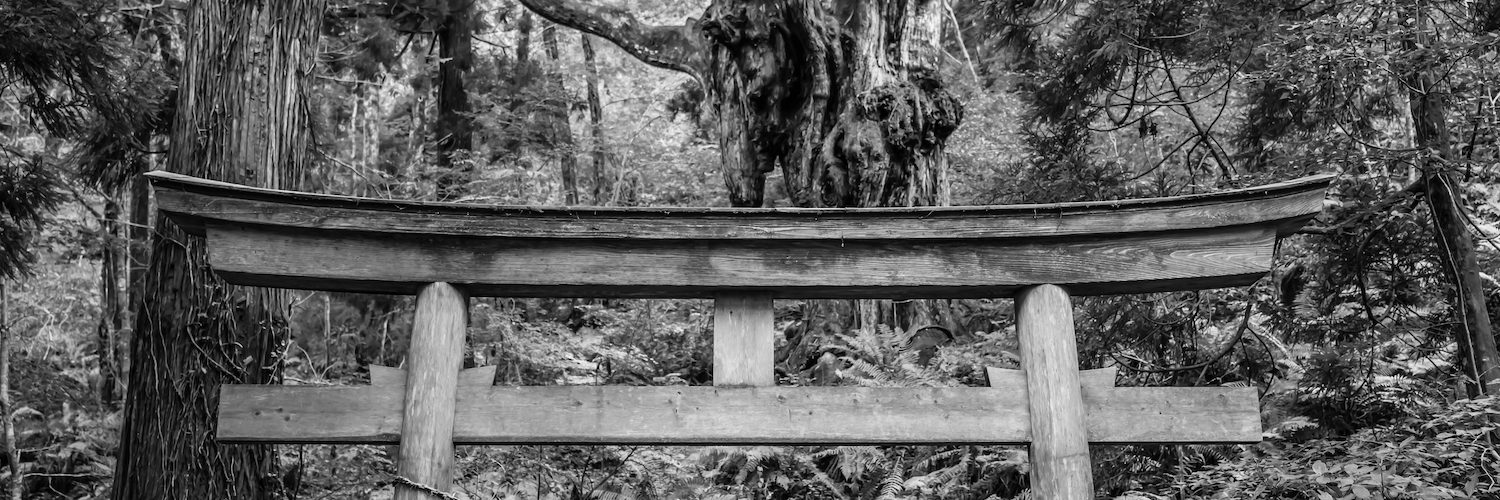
(455, 128)
(17, 486)
(139, 254)
(109, 302)
(596, 118)
(240, 117)
(1474, 336)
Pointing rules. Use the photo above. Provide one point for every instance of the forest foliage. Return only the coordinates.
(1351, 340)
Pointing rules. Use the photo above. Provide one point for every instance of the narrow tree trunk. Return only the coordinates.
(596, 119)
(7, 406)
(139, 254)
(523, 38)
(240, 117)
(1474, 336)
(560, 127)
(455, 129)
(109, 302)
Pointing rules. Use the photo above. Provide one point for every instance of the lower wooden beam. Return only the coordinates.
(595, 415)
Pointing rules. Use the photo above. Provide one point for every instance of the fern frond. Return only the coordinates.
(892, 485)
(935, 460)
(807, 463)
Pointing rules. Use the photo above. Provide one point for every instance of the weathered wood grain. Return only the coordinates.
(435, 358)
(589, 415)
(744, 340)
(193, 202)
(374, 263)
(1060, 467)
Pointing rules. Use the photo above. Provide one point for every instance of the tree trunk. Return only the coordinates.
(844, 96)
(109, 302)
(455, 129)
(139, 254)
(560, 128)
(240, 117)
(1474, 336)
(7, 406)
(596, 119)
(848, 102)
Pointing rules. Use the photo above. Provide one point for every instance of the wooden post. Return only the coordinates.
(744, 340)
(1049, 355)
(437, 347)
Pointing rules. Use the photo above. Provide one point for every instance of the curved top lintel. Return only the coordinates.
(192, 201)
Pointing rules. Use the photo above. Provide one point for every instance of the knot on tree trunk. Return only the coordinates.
(916, 116)
(889, 145)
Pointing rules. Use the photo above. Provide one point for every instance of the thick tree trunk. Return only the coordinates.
(596, 118)
(455, 129)
(109, 303)
(847, 102)
(240, 117)
(844, 96)
(1474, 335)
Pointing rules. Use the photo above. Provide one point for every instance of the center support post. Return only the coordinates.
(425, 464)
(744, 340)
(1060, 468)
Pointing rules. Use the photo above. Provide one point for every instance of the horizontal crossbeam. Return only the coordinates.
(788, 269)
(596, 415)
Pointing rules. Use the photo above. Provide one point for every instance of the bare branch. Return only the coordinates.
(678, 48)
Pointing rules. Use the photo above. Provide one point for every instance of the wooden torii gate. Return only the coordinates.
(743, 258)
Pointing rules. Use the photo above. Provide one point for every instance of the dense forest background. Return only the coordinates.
(1370, 343)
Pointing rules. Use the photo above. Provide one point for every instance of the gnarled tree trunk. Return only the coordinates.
(240, 117)
(843, 96)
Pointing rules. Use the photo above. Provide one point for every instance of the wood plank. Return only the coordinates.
(589, 415)
(377, 263)
(435, 358)
(192, 202)
(471, 377)
(744, 340)
(1060, 467)
(1100, 378)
